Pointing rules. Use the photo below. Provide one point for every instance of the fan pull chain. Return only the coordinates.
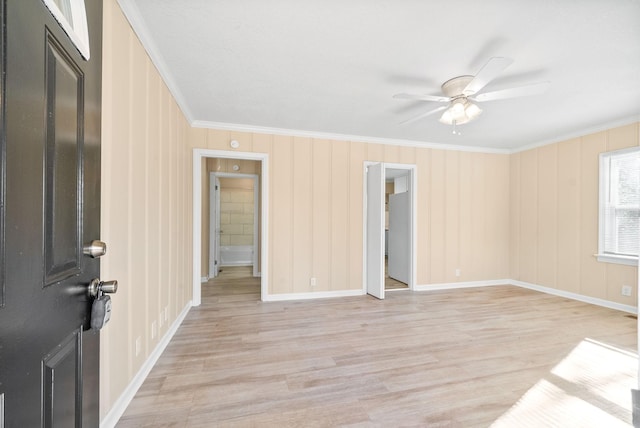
(454, 129)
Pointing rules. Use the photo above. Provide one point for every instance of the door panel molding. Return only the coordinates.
(64, 150)
(64, 362)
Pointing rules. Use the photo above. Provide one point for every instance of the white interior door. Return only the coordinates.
(214, 226)
(375, 230)
(399, 238)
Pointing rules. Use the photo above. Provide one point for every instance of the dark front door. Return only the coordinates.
(50, 194)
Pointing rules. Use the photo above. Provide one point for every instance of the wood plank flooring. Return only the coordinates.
(494, 356)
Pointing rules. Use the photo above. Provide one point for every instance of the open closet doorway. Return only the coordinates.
(389, 227)
(397, 229)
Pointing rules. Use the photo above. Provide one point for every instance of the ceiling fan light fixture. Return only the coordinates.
(460, 111)
(446, 117)
(472, 111)
(457, 107)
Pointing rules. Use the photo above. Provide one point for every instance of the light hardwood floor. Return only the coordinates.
(496, 356)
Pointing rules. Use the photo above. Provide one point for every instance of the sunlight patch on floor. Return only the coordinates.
(591, 387)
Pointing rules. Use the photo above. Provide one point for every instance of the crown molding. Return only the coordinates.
(587, 131)
(342, 137)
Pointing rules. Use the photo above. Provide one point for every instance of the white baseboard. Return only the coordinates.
(311, 295)
(121, 404)
(454, 285)
(548, 290)
(575, 296)
(204, 279)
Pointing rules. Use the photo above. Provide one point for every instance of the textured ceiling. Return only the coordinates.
(332, 67)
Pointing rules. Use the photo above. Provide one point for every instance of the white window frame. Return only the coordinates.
(605, 177)
(73, 21)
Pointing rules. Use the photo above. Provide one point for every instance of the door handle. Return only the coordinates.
(95, 249)
(101, 306)
(98, 288)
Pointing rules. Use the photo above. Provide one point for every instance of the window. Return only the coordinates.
(619, 234)
(72, 17)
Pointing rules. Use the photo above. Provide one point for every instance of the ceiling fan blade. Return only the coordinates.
(487, 73)
(520, 91)
(422, 97)
(423, 115)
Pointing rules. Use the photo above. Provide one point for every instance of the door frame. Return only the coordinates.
(198, 156)
(214, 214)
(413, 212)
(214, 225)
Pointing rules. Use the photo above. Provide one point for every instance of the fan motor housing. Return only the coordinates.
(454, 87)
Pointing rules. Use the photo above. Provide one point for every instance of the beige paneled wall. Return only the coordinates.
(146, 206)
(467, 213)
(554, 217)
(316, 196)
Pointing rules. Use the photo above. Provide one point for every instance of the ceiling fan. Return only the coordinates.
(462, 92)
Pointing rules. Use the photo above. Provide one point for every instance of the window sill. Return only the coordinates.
(621, 260)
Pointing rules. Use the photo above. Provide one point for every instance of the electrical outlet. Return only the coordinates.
(458, 272)
(626, 290)
(138, 346)
(154, 329)
(161, 318)
(313, 282)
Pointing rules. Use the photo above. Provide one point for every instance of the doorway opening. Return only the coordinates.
(397, 230)
(389, 229)
(234, 206)
(229, 165)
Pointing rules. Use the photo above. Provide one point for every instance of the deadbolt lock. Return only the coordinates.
(95, 249)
